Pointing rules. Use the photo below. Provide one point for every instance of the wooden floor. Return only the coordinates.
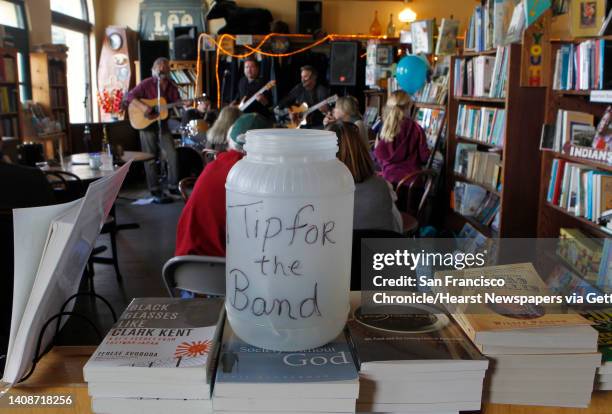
(142, 253)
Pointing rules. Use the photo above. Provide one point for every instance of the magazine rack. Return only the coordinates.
(58, 317)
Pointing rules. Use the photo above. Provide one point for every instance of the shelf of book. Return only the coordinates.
(469, 53)
(458, 220)
(593, 164)
(49, 89)
(474, 141)
(429, 105)
(184, 74)
(490, 189)
(570, 220)
(11, 112)
(520, 160)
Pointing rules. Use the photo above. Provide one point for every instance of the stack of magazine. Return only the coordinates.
(157, 358)
(539, 355)
(251, 379)
(414, 359)
(602, 319)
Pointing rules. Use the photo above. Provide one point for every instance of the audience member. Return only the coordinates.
(401, 147)
(347, 110)
(374, 198)
(201, 227)
(216, 136)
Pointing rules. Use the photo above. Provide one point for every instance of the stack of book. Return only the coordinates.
(478, 166)
(158, 357)
(581, 190)
(414, 359)
(251, 379)
(583, 66)
(602, 320)
(482, 76)
(539, 355)
(487, 125)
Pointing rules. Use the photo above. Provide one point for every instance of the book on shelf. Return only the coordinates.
(514, 34)
(583, 66)
(489, 25)
(581, 253)
(435, 91)
(423, 36)
(483, 124)
(604, 274)
(587, 17)
(432, 122)
(563, 280)
(10, 126)
(606, 26)
(478, 166)
(7, 69)
(51, 252)
(8, 99)
(447, 37)
(581, 190)
(319, 376)
(482, 76)
(567, 125)
(502, 13)
(467, 198)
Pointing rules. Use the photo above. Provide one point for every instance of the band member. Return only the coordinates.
(308, 91)
(249, 84)
(204, 111)
(150, 137)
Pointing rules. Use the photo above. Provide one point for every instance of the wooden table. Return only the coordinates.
(136, 156)
(61, 373)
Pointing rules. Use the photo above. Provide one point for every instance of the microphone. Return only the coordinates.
(226, 72)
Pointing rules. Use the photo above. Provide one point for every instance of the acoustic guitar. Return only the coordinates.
(302, 111)
(245, 103)
(139, 119)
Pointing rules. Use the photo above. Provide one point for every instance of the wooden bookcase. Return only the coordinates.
(520, 175)
(188, 90)
(551, 217)
(50, 90)
(11, 117)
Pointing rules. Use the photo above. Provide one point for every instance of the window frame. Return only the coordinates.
(21, 36)
(85, 27)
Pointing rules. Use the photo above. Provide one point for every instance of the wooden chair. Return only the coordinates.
(66, 186)
(209, 155)
(203, 275)
(185, 187)
(414, 194)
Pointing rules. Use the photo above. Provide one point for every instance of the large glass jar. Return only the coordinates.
(289, 235)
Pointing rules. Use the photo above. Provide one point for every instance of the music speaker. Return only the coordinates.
(185, 42)
(309, 16)
(148, 51)
(343, 64)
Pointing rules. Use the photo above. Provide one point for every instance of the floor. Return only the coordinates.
(142, 253)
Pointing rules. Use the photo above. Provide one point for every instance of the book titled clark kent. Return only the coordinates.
(159, 339)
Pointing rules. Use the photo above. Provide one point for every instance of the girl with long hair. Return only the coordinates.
(216, 136)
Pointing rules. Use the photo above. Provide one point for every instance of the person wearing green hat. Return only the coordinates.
(201, 227)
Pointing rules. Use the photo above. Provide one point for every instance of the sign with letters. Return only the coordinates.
(536, 54)
(157, 17)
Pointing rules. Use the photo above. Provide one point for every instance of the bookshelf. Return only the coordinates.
(184, 74)
(551, 218)
(520, 161)
(50, 90)
(11, 112)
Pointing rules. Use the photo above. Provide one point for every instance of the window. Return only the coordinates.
(71, 27)
(10, 15)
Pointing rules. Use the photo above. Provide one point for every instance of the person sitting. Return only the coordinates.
(401, 147)
(201, 226)
(310, 92)
(347, 110)
(249, 85)
(374, 206)
(203, 111)
(216, 136)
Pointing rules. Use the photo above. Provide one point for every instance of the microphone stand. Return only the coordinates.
(162, 198)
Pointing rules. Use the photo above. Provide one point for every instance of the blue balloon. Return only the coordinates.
(411, 73)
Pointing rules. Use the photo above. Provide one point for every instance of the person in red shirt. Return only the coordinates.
(401, 147)
(201, 227)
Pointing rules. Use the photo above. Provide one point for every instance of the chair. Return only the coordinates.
(203, 275)
(190, 162)
(414, 196)
(66, 185)
(209, 155)
(185, 187)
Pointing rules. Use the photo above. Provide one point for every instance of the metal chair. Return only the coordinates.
(416, 191)
(203, 275)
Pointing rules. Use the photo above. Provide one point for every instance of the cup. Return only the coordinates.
(95, 161)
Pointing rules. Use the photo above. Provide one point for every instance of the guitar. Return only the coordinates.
(303, 111)
(138, 118)
(245, 104)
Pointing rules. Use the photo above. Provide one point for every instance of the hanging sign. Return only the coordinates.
(157, 18)
(535, 59)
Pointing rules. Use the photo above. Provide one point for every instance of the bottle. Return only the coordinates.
(289, 239)
(106, 156)
(375, 27)
(391, 27)
(87, 137)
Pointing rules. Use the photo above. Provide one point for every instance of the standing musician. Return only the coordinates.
(249, 84)
(310, 92)
(150, 137)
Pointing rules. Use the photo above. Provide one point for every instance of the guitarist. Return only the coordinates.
(150, 136)
(308, 91)
(249, 84)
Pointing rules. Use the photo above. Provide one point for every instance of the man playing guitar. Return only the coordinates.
(150, 136)
(310, 92)
(249, 85)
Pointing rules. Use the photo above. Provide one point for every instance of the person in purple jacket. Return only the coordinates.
(401, 147)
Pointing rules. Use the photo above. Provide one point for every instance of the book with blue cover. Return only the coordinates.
(246, 371)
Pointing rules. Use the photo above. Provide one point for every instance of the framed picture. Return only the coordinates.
(384, 54)
(587, 16)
